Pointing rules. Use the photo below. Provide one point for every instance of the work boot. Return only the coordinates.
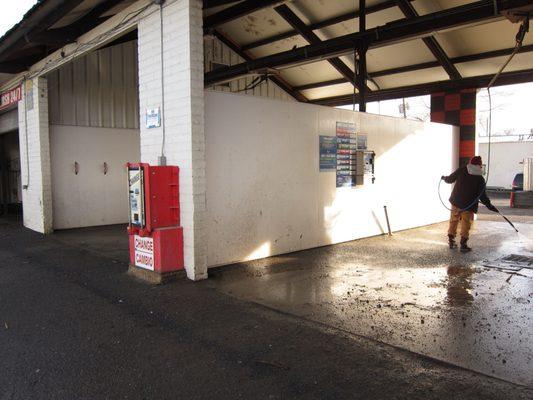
(464, 246)
(451, 242)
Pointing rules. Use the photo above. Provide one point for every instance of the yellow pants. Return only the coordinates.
(466, 218)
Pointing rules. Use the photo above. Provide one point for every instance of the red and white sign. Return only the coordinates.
(10, 97)
(144, 252)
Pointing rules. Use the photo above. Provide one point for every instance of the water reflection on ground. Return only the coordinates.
(409, 291)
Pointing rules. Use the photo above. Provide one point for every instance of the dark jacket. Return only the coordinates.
(468, 190)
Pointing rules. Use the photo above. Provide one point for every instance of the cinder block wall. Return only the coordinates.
(182, 114)
(35, 156)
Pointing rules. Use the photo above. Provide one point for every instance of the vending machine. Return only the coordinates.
(155, 234)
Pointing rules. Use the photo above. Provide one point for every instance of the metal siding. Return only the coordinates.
(79, 92)
(97, 90)
(215, 51)
(66, 98)
(105, 87)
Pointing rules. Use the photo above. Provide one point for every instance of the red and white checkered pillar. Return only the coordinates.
(458, 108)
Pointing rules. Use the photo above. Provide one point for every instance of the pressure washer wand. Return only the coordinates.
(507, 219)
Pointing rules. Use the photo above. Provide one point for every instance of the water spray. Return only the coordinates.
(508, 221)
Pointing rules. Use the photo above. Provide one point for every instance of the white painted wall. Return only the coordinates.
(266, 196)
(35, 156)
(90, 197)
(505, 159)
(182, 114)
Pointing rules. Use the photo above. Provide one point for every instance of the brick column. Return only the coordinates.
(35, 169)
(458, 108)
(183, 113)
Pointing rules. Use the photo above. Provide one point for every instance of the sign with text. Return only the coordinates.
(144, 252)
(346, 154)
(153, 118)
(10, 97)
(328, 153)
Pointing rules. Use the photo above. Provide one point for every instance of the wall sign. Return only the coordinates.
(362, 140)
(328, 153)
(346, 154)
(10, 97)
(29, 95)
(153, 118)
(144, 252)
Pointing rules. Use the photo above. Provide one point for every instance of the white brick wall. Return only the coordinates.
(183, 114)
(35, 157)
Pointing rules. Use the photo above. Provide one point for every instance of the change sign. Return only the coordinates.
(144, 252)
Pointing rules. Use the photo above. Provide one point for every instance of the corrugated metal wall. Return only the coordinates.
(218, 52)
(97, 90)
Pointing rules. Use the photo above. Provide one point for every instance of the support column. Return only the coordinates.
(361, 73)
(34, 147)
(180, 138)
(458, 108)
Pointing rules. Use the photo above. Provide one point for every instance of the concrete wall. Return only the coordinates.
(265, 194)
(91, 197)
(505, 159)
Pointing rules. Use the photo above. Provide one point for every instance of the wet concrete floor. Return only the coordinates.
(409, 291)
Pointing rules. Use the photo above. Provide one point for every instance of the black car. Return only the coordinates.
(518, 182)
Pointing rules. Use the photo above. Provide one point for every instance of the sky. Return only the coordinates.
(511, 110)
(13, 12)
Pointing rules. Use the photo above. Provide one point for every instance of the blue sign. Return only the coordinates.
(328, 153)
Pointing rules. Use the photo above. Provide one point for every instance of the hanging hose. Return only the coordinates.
(524, 28)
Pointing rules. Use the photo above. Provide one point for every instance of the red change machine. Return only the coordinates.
(155, 234)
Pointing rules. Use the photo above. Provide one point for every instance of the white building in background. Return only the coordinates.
(506, 157)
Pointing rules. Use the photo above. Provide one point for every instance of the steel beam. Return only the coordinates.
(216, 3)
(56, 38)
(361, 64)
(421, 66)
(89, 21)
(236, 11)
(43, 16)
(384, 35)
(323, 24)
(431, 43)
(293, 20)
(277, 80)
(475, 82)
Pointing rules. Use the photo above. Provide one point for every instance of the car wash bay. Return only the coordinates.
(282, 235)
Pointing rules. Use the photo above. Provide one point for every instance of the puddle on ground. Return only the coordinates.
(410, 293)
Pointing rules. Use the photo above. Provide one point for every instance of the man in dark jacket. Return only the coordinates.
(469, 189)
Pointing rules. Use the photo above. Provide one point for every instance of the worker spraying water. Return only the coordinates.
(470, 186)
(468, 191)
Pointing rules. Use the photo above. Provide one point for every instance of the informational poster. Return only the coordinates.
(153, 118)
(362, 141)
(29, 95)
(328, 153)
(346, 154)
